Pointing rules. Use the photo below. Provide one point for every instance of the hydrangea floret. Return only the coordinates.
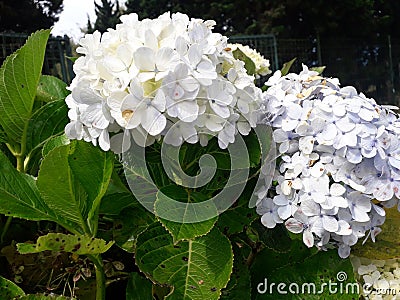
(142, 78)
(339, 161)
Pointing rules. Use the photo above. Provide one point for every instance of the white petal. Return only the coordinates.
(308, 238)
(285, 212)
(337, 189)
(330, 223)
(268, 221)
(104, 140)
(294, 225)
(154, 122)
(144, 59)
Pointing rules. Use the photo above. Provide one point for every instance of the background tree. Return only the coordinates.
(107, 16)
(232, 16)
(286, 18)
(28, 15)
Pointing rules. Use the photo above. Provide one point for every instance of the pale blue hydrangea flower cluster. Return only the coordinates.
(339, 160)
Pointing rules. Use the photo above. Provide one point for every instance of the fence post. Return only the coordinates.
(319, 56)
(391, 63)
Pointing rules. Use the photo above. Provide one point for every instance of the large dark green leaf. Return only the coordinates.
(129, 224)
(48, 121)
(197, 269)
(183, 231)
(19, 196)
(19, 78)
(139, 288)
(51, 88)
(239, 287)
(73, 179)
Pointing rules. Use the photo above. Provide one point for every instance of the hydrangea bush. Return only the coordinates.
(173, 82)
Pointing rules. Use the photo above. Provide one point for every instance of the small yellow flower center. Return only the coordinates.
(127, 114)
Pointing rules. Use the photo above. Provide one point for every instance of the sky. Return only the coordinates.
(74, 18)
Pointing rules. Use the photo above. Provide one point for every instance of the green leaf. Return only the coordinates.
(301, 266)
(19, 196)
(318, 69)
(276, 238)
(73, 179)
(129, 224)
(54, 142)
(248, 62)
(51, 88)
(78, 244)
(9, 290)
(19, 78)
(239, 286)
(236, 218)
(48, 121)
(139, 288)
(113, 204)
(183, 231)
(386, 244)
(286, 67)
(253, 148)
(72, 58)
(197, 269)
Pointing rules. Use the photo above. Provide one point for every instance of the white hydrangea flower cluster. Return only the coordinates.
(339, 151)
(144, 77)
(380, 279)
(262, 64)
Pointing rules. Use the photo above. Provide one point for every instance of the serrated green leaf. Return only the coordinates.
(300, 266)
(48, 121)
(236, 218)
(183, 231)
(286, 66)
(53, 143)
(249, 64)
(73, 179)
(9, 290)
(239, 286)
(386, 244)
(78, 244)
(129, 224)
(197, 269)
(51, 88)
(139, 288)
(19, 78)
(19, 196)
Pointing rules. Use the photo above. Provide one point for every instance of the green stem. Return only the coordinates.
(100, 276)
(5, 229)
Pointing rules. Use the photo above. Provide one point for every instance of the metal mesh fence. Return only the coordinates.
(56, 62)
(373, 66)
